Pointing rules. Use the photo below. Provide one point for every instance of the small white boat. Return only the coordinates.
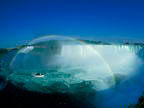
(38, 75)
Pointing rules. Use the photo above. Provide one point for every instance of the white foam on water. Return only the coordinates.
(115, 72)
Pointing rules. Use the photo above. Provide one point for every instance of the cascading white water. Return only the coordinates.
(54, 64)
(78, 61)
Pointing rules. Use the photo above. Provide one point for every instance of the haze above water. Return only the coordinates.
(113, 72)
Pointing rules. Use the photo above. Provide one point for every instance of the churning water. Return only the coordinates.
(112, 72)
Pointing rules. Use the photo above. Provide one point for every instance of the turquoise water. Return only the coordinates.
(113, 73)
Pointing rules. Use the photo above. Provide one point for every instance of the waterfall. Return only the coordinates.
(112, 71)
